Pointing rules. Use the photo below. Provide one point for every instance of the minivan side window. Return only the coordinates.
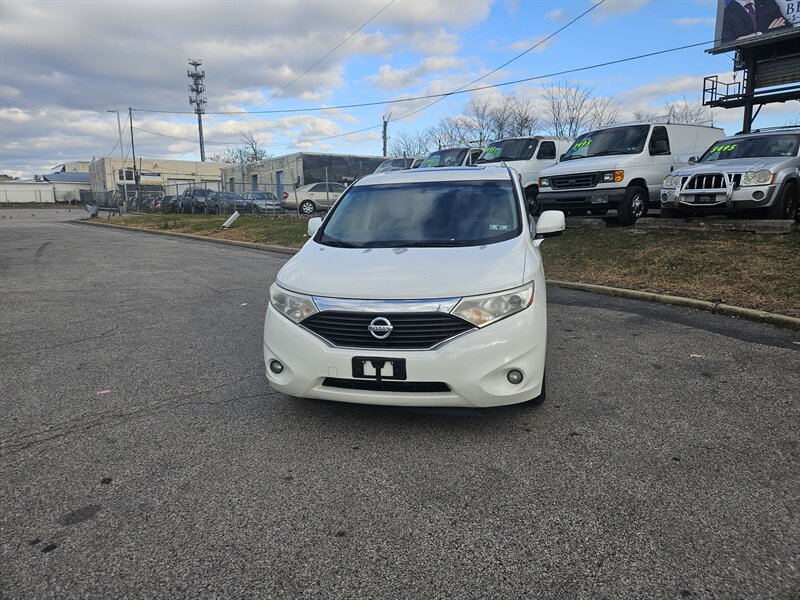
(659, 141)
(547, 150)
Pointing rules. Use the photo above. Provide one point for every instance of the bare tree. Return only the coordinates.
(566, 108)
(679, 111)
(250, 150)
(604, 111)
(411, 144)
(479, 111)
(524, 119)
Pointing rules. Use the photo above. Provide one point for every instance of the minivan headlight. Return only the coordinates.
(295, 307)
(762, 177)
(483, 310)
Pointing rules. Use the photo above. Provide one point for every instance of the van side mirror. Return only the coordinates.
(692, 159)
(313, 226)
(550, 224)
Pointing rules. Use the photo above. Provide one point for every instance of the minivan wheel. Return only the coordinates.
(633, 206)
(306, 207)
(785, 207)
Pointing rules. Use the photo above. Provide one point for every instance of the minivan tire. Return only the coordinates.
(306, 207)
(633, 206)
(785, 207)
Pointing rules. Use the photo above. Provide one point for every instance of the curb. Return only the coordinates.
(191, 236)
(712, 307)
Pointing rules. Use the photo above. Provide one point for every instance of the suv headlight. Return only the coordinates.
(762, 177)
(295, 307)
(670, 181)
(483, 310)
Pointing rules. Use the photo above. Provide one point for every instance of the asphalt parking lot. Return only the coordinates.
(144, 455)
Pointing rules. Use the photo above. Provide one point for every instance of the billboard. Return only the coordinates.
(745, 22)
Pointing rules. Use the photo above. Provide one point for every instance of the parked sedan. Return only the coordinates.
(194, 200)
(308, 199)
(170, 204)
(262, 202)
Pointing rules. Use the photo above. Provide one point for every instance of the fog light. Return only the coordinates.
(758, 195)
(276, 367)
(514, 377)
(664, 197)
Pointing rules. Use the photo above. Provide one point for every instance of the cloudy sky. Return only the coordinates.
(64, 63)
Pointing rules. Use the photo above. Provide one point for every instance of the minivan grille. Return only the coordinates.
(581, 180)
(412, 387)
(411, 331)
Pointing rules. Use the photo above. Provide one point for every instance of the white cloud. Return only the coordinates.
(692, 21)
(538, 41)
(555, 15)
(610, 8)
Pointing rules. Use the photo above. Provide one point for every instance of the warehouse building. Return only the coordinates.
(284, 173)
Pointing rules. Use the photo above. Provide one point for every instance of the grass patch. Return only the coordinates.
(745, 269)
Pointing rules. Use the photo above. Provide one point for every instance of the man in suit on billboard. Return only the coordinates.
(743, 19)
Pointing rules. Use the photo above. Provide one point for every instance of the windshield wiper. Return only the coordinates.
(338, 243)
(432, 244)
(607, 152)
(574, 156)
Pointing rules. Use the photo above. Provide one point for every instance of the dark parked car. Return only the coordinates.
(224, 202)
(194, 200)
(262, 202)
(169, 204)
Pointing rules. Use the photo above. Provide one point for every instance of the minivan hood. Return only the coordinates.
(735, 165)
(405, 273)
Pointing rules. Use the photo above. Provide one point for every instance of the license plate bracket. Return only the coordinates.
(705, 199)
(379, 368)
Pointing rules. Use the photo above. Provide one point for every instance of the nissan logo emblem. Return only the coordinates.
(380, 328)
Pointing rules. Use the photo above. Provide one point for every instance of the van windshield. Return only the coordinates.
(452, 213)
(446, 158)
(514, 149)
(764, 146)
(615, 140)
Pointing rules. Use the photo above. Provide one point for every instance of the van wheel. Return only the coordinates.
(633, 206)
(785, 207)
(533, 204)
(306, 207)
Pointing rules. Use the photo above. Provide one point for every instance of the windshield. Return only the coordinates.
(516, 149)
(764, 146)
(453, 213)
(616, 140)
(446, 158)
(263, 196)
(394, 164)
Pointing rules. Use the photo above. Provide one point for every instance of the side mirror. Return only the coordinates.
(313, 225)
(692, 159)
(551, 223)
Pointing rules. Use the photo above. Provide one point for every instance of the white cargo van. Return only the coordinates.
(527, 156)
(621, 167)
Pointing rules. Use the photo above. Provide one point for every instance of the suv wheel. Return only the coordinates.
(633, 206)
(306, 207)
(785, 207)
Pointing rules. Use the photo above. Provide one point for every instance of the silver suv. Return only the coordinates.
(759, 170)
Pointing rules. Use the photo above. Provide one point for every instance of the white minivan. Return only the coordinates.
(527, 156)
(621, 167)
(419, 288)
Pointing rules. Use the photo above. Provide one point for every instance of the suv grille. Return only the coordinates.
(581, 180)
(707, 181)
(411, 331)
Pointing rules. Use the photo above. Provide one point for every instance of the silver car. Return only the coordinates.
(759, 170)
(309, 198)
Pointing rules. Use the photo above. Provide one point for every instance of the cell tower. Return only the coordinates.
(197, 87)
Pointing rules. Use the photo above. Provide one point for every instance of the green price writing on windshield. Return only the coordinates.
(724, 148)
(582, 144)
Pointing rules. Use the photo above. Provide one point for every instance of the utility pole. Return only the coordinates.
(385, 127)
(133, 153)
(197, 87)
(122, 156)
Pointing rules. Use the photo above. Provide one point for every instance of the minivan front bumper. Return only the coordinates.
(474, 366)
